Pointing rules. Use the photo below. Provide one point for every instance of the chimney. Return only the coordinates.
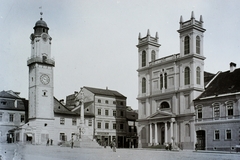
(232, 66)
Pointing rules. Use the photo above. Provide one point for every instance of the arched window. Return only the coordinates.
(187, 130)
(143, 58)
(216, 110)
(186, 45)
(198, 73)
(153, 55)
(229, 106)
(165, 80)
(143, 85)
(198, 45)
(187, 76)
(164, 105)
(161, 81)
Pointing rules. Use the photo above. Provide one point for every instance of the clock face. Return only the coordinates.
(44, 79)
(44, 37)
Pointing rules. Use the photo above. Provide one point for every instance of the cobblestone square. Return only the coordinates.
(41, 152)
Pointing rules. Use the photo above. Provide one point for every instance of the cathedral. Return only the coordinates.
(168, 85)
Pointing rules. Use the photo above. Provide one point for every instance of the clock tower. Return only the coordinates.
(41, 116)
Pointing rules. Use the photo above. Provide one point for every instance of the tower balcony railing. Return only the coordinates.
(43, 60)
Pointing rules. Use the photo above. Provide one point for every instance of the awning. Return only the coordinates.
(29, 135)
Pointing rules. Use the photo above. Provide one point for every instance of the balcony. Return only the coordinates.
(42, 60)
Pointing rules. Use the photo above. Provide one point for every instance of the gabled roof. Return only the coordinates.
(61, 109)
(105, 92)
(224, 83)
(9, 94)
(161, 115)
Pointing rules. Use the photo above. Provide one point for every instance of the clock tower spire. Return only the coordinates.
(41, 66)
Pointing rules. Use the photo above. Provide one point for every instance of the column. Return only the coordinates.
(150, 126)
(171, 131)
(165, 128)
(156, 134)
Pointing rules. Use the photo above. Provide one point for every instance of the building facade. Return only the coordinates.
(13, 113)
(217, 121)
(168, 85)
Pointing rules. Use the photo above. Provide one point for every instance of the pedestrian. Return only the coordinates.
(72, 143)
(105, 144)
(111, 145)
(114, 145)
(51, 142)
(47, 142)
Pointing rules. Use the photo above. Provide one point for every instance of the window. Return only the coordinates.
(143, 85)
(129, 128)
(216, 109)
(186, 45)
(165, 80)
(199, 113)
(106, 112)
(114, 102)
(99, 100)
(106, 125)
(198, 45)
(164, 105)
(10, 117)
(74, 121)
(187, 76)
(62, 121)
(121, 126)
(3, 102)
(143, 58)
(114, 126)
(99, 125)
(161, 81)
(121, 113)
(62, 137)
(106, 101)
(99, 112)
(216, 135)
(153, 55)
(1, 115)
(198, 72)
(187, 130)
(90, 122)
(22, 118)
(228, 134)
(229, 108)
(114, 113)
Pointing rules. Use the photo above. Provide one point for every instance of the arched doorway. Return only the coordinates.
(201, 140)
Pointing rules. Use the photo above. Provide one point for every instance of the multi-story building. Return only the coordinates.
(104, 113)
(217, 121)
(168, 85)
(132, 138)
(13, 113)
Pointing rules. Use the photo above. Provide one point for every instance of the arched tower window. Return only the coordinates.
(186, 45)
(165, 80)
(153, 55)
(198, 45)
(161, 81)
(143, 85)
(143, 58)
(198, 74)
(187, 76)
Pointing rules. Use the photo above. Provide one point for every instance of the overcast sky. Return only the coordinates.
(94, 41)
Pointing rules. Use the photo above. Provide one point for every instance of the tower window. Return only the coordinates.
(153, 55)
(143, 85)
(143, 58)
(165, 80)
(187, 76)
(161, 81)
(198, 45)
(198, 75)
(186, 45)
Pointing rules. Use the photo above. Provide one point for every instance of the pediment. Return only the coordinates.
(161, 114)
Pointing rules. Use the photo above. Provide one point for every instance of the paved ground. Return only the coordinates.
(38, 152)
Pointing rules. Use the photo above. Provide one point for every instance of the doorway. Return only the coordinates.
(201, 140)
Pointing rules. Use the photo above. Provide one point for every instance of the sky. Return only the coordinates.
(94, 42)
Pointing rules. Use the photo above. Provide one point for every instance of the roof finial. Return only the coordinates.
(41, 13)
(148, 32)
(181, 19)
(192, 16)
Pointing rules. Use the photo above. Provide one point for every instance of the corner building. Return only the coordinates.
(168, 85)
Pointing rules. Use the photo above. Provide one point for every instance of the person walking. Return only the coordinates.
(114, 145)
(47, 142)
(72, 143)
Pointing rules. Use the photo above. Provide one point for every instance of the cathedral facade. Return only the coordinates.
(168, 85)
